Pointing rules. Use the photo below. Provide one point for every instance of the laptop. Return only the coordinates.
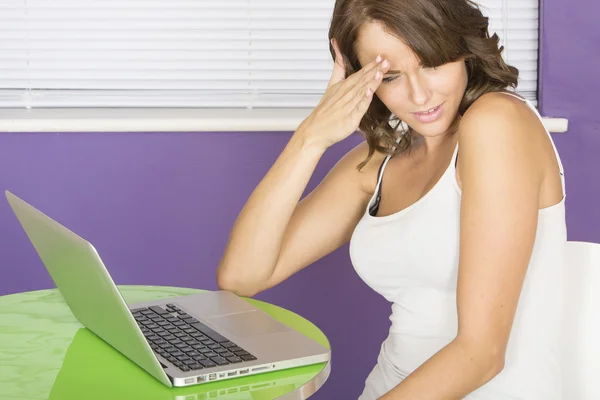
(92, 370)
(180, 341)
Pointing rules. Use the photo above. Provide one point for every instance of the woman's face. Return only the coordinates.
(409, 90)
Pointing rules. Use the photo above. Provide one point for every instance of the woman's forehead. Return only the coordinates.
(374, 40)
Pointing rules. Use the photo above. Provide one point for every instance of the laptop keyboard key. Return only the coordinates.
(195, 366)
(208, 363)
(235, 349)
(209, 332)
(219, 360)
(248, 357)
(158, 310)
(241, 353)
(184, 368)
(234, 359)
(228, 344)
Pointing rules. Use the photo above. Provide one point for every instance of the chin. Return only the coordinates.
(434, 129)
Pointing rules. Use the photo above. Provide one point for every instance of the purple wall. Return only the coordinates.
(570, 88)
(159, 206)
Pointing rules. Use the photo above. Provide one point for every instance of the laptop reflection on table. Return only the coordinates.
(92, 370)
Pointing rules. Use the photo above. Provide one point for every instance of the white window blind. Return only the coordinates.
(517, 24)
(194, 53)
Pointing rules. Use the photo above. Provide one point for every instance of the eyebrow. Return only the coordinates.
(393, 71)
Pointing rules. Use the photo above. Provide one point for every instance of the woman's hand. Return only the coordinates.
(344, 102)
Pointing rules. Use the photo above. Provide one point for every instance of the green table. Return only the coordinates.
(45, 353)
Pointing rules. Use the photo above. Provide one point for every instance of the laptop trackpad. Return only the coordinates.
(248, 324)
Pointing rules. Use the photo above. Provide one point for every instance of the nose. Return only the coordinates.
(419, 92)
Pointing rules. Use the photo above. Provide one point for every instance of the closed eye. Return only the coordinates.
(392, 78)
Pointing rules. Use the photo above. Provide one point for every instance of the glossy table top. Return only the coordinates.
(45, 353)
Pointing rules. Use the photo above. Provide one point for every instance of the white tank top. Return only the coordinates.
(411, 259)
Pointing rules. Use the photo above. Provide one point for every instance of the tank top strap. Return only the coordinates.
(382, 166)
(381, 169)
(535, 110)
(373, 205)
(454, 161)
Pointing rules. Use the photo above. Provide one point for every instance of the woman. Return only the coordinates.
(467, 246)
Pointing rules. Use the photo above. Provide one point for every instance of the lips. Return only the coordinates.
(429, 116)
(428, 111)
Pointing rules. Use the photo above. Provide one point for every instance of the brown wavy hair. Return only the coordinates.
(438, 32)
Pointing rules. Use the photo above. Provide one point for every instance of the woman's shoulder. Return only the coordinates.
(497, 121)
(506, 111)
(501, 105)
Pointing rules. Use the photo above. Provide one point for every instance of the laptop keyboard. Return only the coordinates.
(186, 342)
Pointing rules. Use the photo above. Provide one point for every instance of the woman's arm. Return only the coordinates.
(501, 181)
(276, 236)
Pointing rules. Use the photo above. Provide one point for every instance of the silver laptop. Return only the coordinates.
(181, 341)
